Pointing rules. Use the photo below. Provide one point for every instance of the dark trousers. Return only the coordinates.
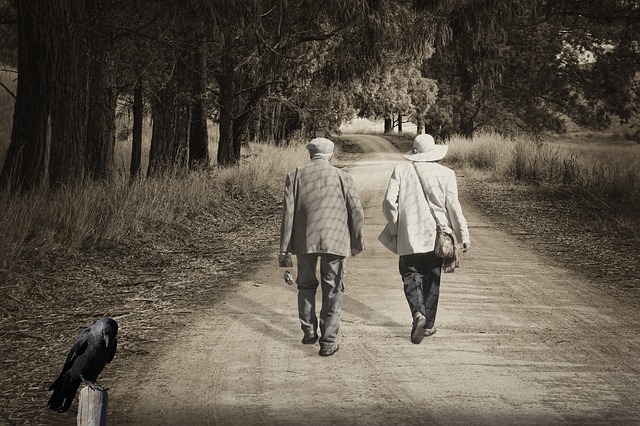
(421, 277)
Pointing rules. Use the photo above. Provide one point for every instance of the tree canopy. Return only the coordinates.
(529, 65)
(271, 69)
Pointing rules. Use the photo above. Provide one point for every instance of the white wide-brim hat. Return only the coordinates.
(425, 149)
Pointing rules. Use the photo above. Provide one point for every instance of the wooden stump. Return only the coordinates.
(92, 407)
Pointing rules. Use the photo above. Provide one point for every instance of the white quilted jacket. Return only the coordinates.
(407, 212)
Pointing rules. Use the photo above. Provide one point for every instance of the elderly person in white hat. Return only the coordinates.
(322, 219)
(411, 223)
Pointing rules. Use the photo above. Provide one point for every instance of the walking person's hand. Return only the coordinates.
(284, 260)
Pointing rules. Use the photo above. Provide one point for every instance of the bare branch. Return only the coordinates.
(8, 90)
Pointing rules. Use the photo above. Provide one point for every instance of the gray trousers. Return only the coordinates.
(332, 274)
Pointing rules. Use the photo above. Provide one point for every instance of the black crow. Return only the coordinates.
(94, 349)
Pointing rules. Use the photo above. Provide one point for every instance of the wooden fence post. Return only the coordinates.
(92, 407)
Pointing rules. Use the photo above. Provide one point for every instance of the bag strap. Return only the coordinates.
(424, 191)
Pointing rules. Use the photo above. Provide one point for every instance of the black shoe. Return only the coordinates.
(310, 338)
(329, 350)
(417, 331)
(429, 331)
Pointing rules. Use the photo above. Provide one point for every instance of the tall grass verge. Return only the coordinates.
(613, 180)
(94, 213)
(486, 151)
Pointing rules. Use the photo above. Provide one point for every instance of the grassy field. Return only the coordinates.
(608, 174)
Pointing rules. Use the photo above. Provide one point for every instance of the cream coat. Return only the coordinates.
(322, 211)
(407, 212)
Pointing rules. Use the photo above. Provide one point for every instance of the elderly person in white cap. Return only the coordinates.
(322, 219)
(411, 221)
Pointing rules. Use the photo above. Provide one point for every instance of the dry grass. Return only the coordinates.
(95, 213)
(612, 179)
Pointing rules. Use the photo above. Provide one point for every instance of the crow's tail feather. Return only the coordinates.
(64, 390)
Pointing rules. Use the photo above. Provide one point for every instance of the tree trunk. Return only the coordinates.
(467, 125)
(101, 125)
(276, 124)
(168, 146)
(399, 123)
(171, 112)
(136, 146)
(256, 132)
(388, 124)
(226, 152)
(199, 138)
(101, 132)
(419, 125)
(25, 164)
(236, 110)
(68, 49)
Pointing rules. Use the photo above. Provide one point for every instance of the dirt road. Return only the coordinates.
(519, 342)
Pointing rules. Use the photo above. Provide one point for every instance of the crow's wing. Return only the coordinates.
(113, 348)
(78, 349)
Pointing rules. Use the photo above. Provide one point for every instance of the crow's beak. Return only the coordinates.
(106, 340)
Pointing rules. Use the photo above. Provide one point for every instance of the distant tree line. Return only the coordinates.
(271, 69)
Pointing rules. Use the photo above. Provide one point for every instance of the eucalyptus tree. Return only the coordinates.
(102, 91)
(70, 68)
(423, 92)
(398, 91)
(387, 77)
(24, 165)
(64, 121)
(324, 107)
(386, 96)
(301, 109)
(261, 48)
(359, 53)
(575, 60)
(609, 30)
(178, 95)
(527, 65)
(52, 102)
(257, 48)
(471, 62)
(161, 73)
